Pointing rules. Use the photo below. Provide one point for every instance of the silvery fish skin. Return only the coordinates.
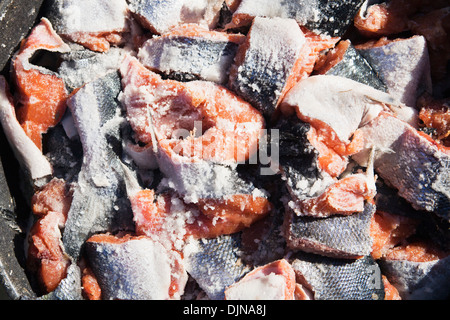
(411, 163)
(339, 279)
(403, 66)
(419, 280)
(198, 57)
(354, 66)
(99, 198)
(216, 264)
(273, 47)
(69, 288)
(337, 236)
(87, 16)
(328, 17)
(160, 16)
(135, 269)
(81, 66)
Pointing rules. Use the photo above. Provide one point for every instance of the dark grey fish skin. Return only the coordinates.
(353, 66)
(419, 280)
(203, 58)
(323, 16)
(336, 236)
(403, 66)
(99, 199)
(216, 264)
(136, 269)
(69, 288)
(272, 50)
(339, 279)
(411, 164)
(81, 66)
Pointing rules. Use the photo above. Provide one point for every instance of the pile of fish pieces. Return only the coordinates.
(228, 150)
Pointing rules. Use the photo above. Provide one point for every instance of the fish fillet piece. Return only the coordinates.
(81, 65)
(327, 17)
(227, 123)
(409, 161)
(390, 292)
(135, 268)
(95, 24)
(192, 51)
(311, 169)
(403, 65)
(417, 271)
(42, 94)
(160, 16)
(267, 62)
(215, 263)
(170, 220)
(337, 236)
(46, 257)
(345, 61)
(389, 230)
(337, 108)
(217, 129)
(273, 281)
(339, 279)
(30, 157)
(99, 199)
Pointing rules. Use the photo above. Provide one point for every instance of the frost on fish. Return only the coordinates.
(160, 16)
(215, 263)
(336, 236)
(199, 131)
(266, 63)
(135, 268)
(273, 281)
(31, 159)
(69, 288)
(41, 94)
(95, 24)
(403, 65)
(339, 279)
(345, 61)
(99, 200)
(192, 51)
(418, 271)
(327, 17)
(337, 104)
(410, 162)
(81, 66)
